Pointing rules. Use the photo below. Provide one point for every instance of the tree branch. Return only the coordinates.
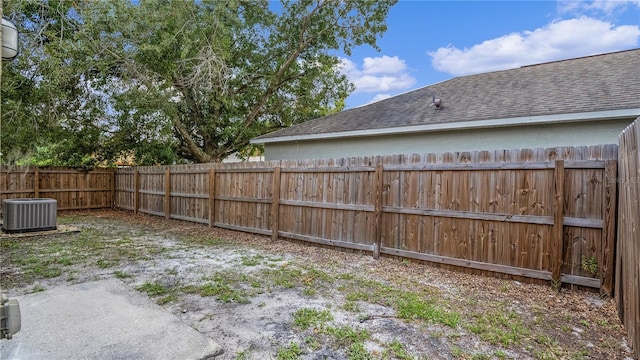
(194, 149)
(276, 82)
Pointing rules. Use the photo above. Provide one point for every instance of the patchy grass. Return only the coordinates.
(311, 318)
(411, 306)
(346, 336)
(376, 304)
(222, 292)
(290, 352)
(153, 289)
(122, 275)
(351, 306)
(499, 326)
(41, 258)
(396, 350)
(252, 260)
(357, 351)
(408, 305)
(173, 297)
(284, 277)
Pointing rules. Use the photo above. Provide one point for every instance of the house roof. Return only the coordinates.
(586, 88)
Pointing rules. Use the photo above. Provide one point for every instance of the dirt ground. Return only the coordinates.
(261, 299)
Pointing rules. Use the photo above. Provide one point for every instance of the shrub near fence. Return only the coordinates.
(544, 214)
(71, 188)
(628, 252)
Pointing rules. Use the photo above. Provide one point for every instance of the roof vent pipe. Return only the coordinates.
(437, 102)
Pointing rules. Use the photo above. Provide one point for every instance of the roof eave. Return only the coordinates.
(464, 125)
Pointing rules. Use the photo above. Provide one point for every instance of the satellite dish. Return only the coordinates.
(9, 40)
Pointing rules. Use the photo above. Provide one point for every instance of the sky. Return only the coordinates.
(432, 41)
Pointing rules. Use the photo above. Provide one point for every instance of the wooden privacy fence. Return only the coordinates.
(71, 188)
(545, 214)
(628, 252)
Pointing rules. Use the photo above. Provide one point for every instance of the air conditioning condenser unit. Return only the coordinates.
(27, 215)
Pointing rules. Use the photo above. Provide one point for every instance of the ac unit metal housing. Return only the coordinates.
(27, 215)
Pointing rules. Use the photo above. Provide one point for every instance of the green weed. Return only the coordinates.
(173, 272)
(351, 306)
(584, 323)
(153, 289)
(498, 327)
(590, 265)
(104, 264)
(167, 299)
(396, 349)
(456, 352)
(122, 275)
(358, 352)
(308, 291)
(252, 260)
(242, 355)
(48, 272)
(222, 292)
(500, 354)
(283, 277)
(65, 261)
(312, 274)
(408, 305)
(312, 342)
(412, 307)
(290, 352)
(308, 317)
(346, 335)
(37, 288)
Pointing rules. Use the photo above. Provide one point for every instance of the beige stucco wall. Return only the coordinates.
(522, 137)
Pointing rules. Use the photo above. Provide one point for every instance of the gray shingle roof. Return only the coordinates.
(588, 84)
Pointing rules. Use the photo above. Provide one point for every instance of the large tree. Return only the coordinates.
(194, 79)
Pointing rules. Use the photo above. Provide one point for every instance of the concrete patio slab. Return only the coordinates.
(102, 320)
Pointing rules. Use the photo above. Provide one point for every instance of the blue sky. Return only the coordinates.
(432, 41)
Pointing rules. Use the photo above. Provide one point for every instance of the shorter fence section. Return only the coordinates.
(544, 214)
(72, 189)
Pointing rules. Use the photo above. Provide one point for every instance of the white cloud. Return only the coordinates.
(379, 97)
(560, 39)
(604, 6)
(383, 65)
(384, 73)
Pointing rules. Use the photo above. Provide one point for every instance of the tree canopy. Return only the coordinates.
(171, 81)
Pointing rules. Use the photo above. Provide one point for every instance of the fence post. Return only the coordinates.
(212, 197)
(136, 189)
(275, 205)
(557, 238)
(113, 188)
(36, 184)
(378, 211)
(167, 194)
(609, 228)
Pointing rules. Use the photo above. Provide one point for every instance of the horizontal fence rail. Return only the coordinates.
(74, 190)
(539, 214)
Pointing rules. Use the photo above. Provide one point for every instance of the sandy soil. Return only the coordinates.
(249, 294)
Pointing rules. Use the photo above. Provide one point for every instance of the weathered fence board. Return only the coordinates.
(72, 189)
(535, 213)
(627, 282)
